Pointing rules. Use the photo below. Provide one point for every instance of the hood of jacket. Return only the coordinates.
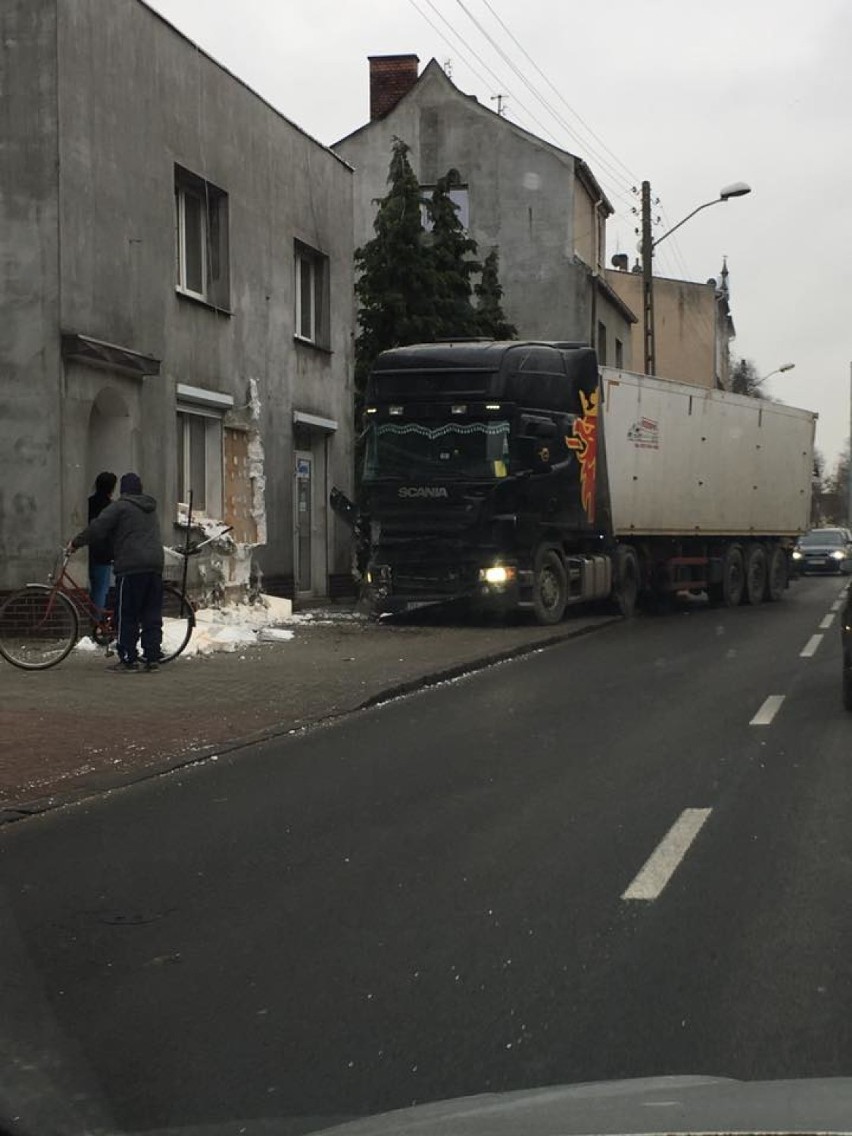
(143, 501)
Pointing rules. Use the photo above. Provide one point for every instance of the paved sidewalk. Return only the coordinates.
(78, 728)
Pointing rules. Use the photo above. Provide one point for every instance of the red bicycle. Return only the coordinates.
(40, 624)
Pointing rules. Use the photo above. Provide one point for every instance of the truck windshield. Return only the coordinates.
(451, 449)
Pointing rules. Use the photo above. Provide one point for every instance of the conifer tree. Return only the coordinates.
(453, 253)
(491, 319)
(397, 286)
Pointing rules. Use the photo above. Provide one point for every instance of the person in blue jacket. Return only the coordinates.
(131, 527)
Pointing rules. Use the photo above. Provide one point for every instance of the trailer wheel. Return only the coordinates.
(550, 587)
(776, 574)
(755, 574)
(733, 576)
(626, 581)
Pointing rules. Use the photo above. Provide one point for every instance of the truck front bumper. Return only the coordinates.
(394, 589)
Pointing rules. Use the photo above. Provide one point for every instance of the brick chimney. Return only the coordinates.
(391, 77)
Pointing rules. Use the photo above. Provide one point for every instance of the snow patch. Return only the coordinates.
(87, 645)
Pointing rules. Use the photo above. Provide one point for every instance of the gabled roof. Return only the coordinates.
(206, 54)
(433, 70)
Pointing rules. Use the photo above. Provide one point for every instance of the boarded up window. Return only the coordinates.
(238, 490)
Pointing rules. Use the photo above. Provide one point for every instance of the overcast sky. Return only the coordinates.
(690, 94)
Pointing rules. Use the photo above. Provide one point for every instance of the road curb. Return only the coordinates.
(111, 782)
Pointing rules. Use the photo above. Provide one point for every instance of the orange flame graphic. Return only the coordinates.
(585, 445)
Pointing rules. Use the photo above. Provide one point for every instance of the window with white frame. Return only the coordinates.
(459, 196)
(200, 416)
(201, 239)
(312, 296)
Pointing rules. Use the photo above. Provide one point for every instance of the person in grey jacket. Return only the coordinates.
(132, 529)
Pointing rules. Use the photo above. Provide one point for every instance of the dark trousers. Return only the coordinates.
(139, 608)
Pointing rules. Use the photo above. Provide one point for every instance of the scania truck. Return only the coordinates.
(523, 475)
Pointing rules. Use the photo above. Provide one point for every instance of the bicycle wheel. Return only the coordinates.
(178, 622)
(38, 627)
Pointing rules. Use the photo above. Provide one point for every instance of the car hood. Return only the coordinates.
(642, 1107)
(650, 1105)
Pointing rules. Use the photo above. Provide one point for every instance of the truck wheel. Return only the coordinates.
(755, 574)
(733, 576)
(776, 574)
(550, 587)
(626, 581)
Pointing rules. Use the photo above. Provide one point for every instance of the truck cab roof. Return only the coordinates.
(528, 373)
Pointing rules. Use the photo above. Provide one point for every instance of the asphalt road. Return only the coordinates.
(614, 858)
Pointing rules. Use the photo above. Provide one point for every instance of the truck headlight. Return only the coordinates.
(498, 574)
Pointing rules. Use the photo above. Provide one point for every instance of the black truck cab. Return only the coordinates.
(479, 458)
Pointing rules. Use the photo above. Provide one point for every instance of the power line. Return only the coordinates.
(559, 94)
(615, 193)
(612, 192)
(489, 69)
(616, 176)
(453, 46)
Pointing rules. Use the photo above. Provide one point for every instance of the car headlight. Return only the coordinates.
(797, 554)
(497, 574)
(838, 555)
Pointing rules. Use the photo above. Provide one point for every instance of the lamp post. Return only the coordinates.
(778, 371)
(738, 189)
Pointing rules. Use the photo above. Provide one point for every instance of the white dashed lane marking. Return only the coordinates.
(768, 710)
(811, 647)
(826, 623)
(668, 854)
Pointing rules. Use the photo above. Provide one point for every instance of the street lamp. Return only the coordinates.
(778, 371)
(737, 189)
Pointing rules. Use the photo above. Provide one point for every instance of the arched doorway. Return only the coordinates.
(110, 443)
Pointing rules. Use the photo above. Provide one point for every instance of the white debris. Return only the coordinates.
(234, 626)
(274, 635)
(256, 463)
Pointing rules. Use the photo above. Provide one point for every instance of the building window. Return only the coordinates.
(312, 296)
(459, 197)
(201, 239)
(619, 354)
(199, 448)
(602, 344)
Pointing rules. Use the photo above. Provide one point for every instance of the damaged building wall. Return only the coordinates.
(204, 375)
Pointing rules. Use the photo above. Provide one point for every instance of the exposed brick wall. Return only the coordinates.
(391, 77)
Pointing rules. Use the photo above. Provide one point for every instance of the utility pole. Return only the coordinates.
(500, 100)
(648, 281)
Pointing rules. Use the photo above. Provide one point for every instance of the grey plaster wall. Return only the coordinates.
(521, 196)
(119, 98)
(30, 412)
(136, 99)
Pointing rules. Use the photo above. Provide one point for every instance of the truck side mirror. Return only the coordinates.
(535, 454)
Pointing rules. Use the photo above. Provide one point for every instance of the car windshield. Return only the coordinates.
(418, 678)
(448, 450)
(822, 537)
